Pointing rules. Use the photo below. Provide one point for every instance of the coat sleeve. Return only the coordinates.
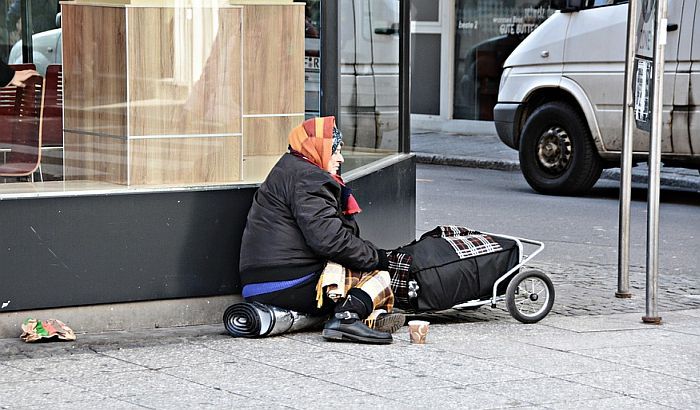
(6, 74)
(316, 212)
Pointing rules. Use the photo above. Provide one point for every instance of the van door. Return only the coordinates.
(369, 56)
(694, 85)
(594, 58)
(683, 26)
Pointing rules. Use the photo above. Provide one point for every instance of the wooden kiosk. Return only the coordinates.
(164, 92)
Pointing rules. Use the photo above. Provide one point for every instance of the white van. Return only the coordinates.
(562, 90)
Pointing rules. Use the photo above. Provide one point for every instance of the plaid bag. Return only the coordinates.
(447, 266)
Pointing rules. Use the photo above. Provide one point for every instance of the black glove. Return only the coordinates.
(383, 263)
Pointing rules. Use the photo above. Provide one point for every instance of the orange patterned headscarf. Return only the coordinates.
(314, 140)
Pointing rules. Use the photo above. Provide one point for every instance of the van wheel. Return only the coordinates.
(557, 154)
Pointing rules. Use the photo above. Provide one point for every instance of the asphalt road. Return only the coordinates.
(580, 233)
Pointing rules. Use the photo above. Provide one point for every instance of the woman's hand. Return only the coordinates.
(21, 76)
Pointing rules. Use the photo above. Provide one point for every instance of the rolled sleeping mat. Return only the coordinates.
(259, 320)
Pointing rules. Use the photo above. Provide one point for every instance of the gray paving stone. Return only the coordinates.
(104, 403)
(695, 313)
(393, 380)
(256, 380)
(82, 365)
(458, 397)
(228, 375)
(597, 323)
(461, 369)
(324, 363)
(545, 390)
(678, 399)
(158, 357)
(194, 398)
(39, 392)
(489, 347)
(263, 347)
(622, 402)
(675, 360)
(10, 374)
(566, 340)
(125, 384)
(556, 363)
(341, 401)
(638, 382)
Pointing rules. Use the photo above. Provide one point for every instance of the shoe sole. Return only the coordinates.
(338, 336)
(390, 323)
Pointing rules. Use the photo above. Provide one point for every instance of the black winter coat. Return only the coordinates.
(6, 74)
(295, 225)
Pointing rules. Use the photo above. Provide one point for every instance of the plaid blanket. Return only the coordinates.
(336, 281)
(467, 243)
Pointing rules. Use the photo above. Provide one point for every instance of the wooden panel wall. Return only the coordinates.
(94, 74)
(184, 74)
(174, 115)
(273, 73)
(95, 158)
(273, 97)
(268, 135)
(185, 160)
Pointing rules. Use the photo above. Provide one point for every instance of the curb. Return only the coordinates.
(467, 162)
(668, 179)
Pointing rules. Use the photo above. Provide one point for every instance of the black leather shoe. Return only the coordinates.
(347, 326)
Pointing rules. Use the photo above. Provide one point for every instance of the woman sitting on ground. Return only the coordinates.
(301, 222)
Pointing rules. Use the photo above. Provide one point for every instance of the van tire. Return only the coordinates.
(557, 154)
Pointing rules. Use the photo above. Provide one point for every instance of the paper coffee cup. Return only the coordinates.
(418, 330)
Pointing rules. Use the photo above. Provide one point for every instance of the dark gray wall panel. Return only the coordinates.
(118, 248)
(388, 201)
(84, 250)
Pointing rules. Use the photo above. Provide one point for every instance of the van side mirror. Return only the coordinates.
(58, 20)
(567, 6)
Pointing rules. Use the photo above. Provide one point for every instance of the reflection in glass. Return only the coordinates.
(487, 32)
(163, 97)
(369, 90)
(312, 57)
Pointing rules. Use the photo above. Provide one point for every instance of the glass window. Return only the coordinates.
(425, 79)
(486, 33)
(426, 10)
(312, 58)
(152, 97)
(369, 88)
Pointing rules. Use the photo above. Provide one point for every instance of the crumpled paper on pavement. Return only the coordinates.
(34, 330)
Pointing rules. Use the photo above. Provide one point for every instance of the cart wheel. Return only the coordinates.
(530, 296)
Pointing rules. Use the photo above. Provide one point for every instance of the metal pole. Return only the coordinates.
(27, 28)
(654, 167)
(405, 76)
(330, 60)
(623, 245)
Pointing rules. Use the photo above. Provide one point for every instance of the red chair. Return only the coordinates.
(24, 156)
(52, 119)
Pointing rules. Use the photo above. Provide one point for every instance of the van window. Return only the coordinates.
(602, 3)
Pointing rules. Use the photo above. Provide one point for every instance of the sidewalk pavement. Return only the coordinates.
(576, 357)
(563, 362)
(487, 151)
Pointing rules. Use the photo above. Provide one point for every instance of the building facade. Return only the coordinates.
(154, 124)
(458, 50)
